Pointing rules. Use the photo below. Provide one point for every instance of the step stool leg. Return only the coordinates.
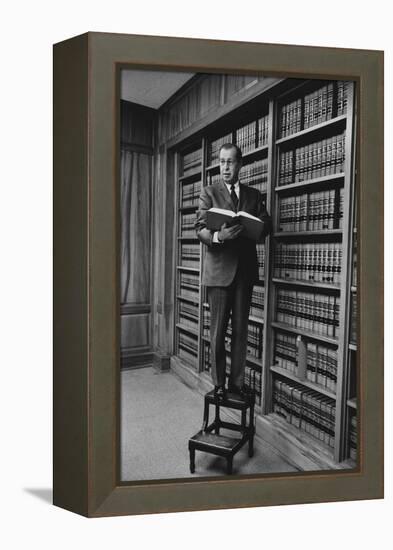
(229, 465)
(217, 420)
(192, 460)
(205, 416)
(251, 445)
(251, 428)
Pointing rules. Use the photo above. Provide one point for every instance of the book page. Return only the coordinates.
(224, 212)
(247, 215)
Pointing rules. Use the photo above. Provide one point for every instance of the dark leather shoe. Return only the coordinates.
(219, 393)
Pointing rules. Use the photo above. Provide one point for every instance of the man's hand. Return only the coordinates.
(228, 233)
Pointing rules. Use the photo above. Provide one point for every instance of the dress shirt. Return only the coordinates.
(237, 191)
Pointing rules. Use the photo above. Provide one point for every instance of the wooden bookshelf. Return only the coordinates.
(313, 143)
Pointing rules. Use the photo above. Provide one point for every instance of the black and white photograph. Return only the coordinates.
(238, 268)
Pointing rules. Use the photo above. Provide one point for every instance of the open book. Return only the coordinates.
(252, 226)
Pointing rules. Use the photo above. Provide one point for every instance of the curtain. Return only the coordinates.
(135, 239)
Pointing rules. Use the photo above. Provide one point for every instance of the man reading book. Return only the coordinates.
(230, 267)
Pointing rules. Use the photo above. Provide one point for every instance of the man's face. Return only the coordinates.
(229, 165)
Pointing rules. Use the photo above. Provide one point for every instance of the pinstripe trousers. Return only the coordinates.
(233, 302)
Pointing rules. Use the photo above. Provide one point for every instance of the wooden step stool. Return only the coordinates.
(222, 445)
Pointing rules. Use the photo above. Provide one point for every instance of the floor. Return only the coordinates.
(158, 415)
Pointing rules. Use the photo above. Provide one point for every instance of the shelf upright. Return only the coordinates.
(341, 423)
(269, 299)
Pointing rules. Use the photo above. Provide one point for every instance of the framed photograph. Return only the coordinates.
(218, 274)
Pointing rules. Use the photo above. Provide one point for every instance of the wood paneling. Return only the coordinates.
(235, 84)
(137, 124)
(135, 331)
(203, 96)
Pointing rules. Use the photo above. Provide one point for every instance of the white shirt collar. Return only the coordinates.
(236, 187)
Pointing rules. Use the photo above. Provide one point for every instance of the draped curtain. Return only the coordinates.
(135, 200)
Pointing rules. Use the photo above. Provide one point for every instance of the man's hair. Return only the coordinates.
(239, 155)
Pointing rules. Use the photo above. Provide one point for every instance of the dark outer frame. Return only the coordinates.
(86, 305)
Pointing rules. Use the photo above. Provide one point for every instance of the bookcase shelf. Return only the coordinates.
(214, 166)
(278, 148)
(185, 208)
(186, 268)
(191, 174)
(300, 332)
(187, 239)
(256, 319)
(314, 182)
(291, 376)
(187, 329)
(255, 152)
(310, 284)
(317, 129)
(187, 299)
(308, 234)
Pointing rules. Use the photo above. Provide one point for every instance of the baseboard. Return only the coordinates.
(129, 360)
(161, 361)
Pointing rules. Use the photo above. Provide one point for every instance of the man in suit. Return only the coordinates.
(230, 268)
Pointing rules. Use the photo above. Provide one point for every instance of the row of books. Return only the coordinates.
(316, 160)
(255, 174)
(189, 286)
(322, 365)
(312, 211)
(342, 97)
(252, 374)
(263, 130)
(260, 247)
(189, 294)
(257, 301)
(253, 135)
(212, 179)
(246, 137)
(353, 437)
(187, 225)
(213, 150)
(311, 262)
(189, 254)
(354, 318)
(255, 340)
(190, 191)
(188, 322)
(192, 160)
(320, 361)
(187, 347)
(309, 311)
(317, 107)
(189, 311)
(290, 118)
(305, 409)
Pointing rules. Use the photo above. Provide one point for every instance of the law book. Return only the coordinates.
(253, 226)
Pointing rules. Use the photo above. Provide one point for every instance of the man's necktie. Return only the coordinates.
(234, 198)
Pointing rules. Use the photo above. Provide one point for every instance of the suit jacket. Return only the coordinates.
(223, 259)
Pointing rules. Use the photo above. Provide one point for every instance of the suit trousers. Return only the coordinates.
(233, 302)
